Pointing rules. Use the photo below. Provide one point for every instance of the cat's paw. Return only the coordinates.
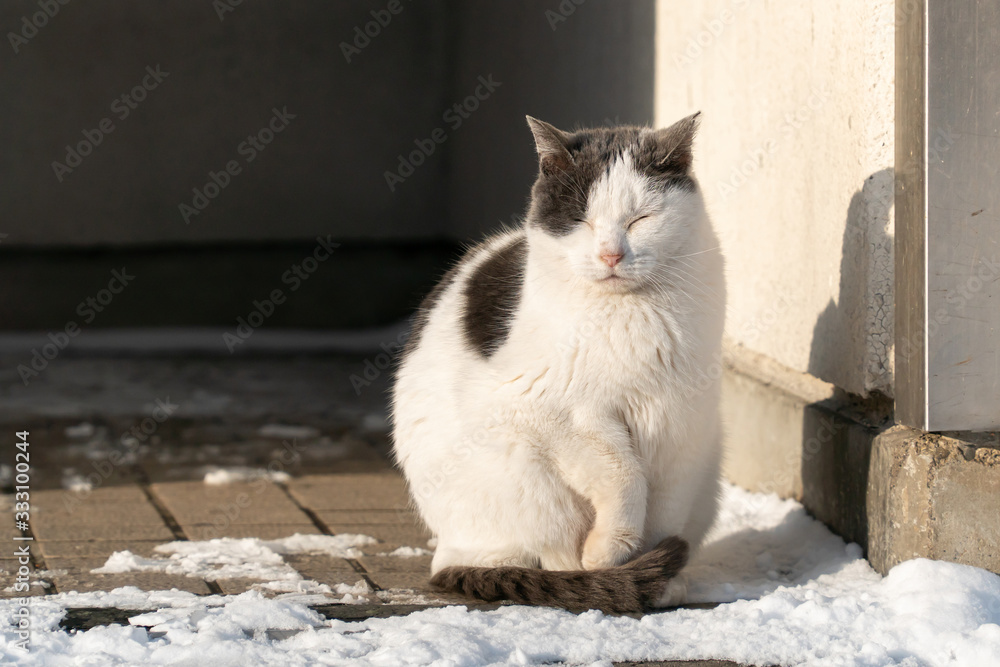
(675, 592)
(609, 548)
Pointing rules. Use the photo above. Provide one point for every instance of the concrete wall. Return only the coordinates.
(795, 156)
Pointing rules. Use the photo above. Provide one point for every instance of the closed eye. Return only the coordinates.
(635, 220)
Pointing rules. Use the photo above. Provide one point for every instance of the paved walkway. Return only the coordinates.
(75, 532)
(98, 426)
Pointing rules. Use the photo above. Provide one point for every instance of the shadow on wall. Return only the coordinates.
(857, 329)
(852, 337)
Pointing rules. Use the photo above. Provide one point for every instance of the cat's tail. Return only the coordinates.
(631, 587)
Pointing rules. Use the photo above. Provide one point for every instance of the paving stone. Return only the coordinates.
(121, 513)
(260, 531)
(95, 514)
(8, 554)
(96, 548)
(206, 446)
(79, 566)
(390, 536)
(408, 580)
(358, 491)
(92, 464)
(414, 564)
(7, 528)
(324, 568)
(147, 581)
(258, 502)
(130, 493)
(405, 517)
(8, 578)
(8, 531)
(237, 586)
(319, 567)
(104, 532)
(54, 454)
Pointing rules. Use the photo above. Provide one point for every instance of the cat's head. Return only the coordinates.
(614, 203)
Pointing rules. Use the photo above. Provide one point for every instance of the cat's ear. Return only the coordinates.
(671, 148)
(551, 144)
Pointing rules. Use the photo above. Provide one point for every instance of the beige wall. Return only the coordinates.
(795, 158)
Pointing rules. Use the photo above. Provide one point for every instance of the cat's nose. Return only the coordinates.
(611, 260)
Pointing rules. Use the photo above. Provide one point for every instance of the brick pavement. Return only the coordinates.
(75, 532)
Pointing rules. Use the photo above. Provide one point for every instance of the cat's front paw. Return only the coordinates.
(609, 548)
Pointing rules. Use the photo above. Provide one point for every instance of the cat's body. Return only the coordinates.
(549, 416)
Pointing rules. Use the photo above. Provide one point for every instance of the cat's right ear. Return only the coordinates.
(551, 144)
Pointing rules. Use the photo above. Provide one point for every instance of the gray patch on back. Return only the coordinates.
(492, 294)
(423, 313)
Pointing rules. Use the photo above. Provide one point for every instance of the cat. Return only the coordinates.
(555, 411)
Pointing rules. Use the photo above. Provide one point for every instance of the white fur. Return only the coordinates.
(593, 432)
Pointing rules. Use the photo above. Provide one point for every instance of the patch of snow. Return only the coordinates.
(799, 596)
(218, 476)
(341, 545)
(375, 423)
(231, 558)
(6, 475)
(79, 431)
(761, 543)
(287, 432)
(74, 481)
(408, 552)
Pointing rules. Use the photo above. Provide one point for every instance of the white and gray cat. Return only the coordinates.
(554, 413)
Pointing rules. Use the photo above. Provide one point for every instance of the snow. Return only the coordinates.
(375, 423)
(234, 474)
(408, 552)
(74, 481)
(794, 595)
(251, 558)
(79, 431)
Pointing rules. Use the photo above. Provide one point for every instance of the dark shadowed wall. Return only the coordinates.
(247, 130)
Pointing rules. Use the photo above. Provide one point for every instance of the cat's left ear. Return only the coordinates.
(671, 148)
(551, 144)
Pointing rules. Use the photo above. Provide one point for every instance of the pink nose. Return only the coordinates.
(611, 260)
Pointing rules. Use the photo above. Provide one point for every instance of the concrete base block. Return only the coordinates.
(897, 492)
(932, 496)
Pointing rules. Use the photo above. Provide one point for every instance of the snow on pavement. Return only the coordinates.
(795, 595)
(251, 558)
(216, 476)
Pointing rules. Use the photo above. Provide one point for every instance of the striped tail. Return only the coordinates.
(629, 588)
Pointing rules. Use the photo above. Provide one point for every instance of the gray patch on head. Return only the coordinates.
(492, 294)
(559, 197)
